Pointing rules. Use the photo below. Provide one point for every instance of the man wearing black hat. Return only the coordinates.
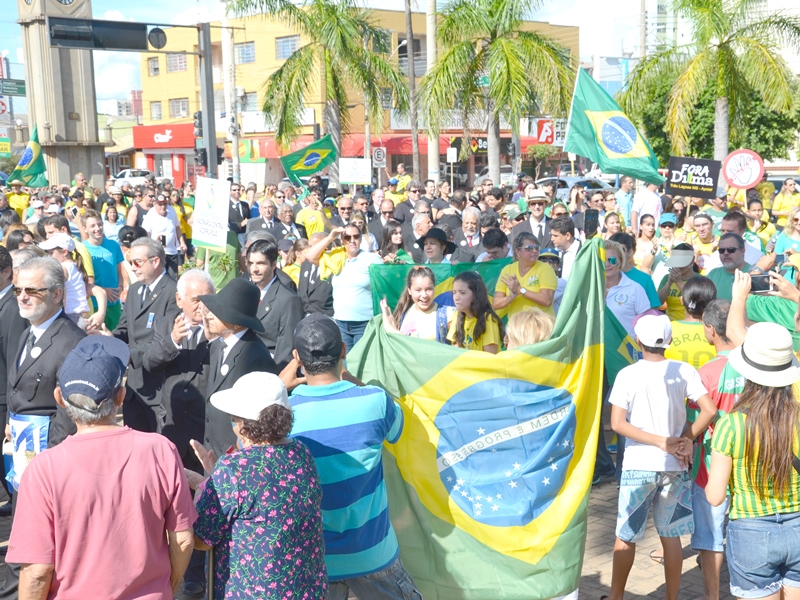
(231, 316)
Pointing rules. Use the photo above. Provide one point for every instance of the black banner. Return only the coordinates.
(696, 177)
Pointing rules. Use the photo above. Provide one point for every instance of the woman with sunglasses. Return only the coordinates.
(368, 241)
(347, 268)
(677, 206)
(527, 282)
(624, 297)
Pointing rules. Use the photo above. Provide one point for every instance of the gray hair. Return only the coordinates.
(417, 219)
(471, 210)
(194, 275)
(54, 278)
(414, 183)
(154, 248)
(421, 204)
(259, 235)
(88, 412)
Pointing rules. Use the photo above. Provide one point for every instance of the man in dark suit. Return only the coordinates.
(451, 216)
(231, 317)
(151, 300)
(315, 293)
(467, 238)
(421, 225)
(361, 202)
(376, 226)
(280, 309)
(537, 224)
(238, 212)
(345, 212)
(404, 211)
(267, 221)
(287, 228)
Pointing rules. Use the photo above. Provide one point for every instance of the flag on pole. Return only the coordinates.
(599, 130)
(489, 482)
(309, 160)
(31, 168)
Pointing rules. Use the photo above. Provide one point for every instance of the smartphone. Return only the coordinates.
(163, 240)
(591, 221)
(780, 259)
(760, 284)
(74, 211)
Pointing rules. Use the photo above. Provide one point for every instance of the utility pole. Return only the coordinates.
(412, 94)
(207, 99)
(432, 52)
(231, 107)
(643, 29)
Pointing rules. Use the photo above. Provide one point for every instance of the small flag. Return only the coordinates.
(309, 160)
(599, 130)
(31, 168)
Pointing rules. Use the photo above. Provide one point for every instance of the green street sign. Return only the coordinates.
(483, 81)
(12, 87)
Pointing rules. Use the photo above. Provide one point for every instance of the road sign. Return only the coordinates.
(12, 87)
(452, 155)
(3, 106)
(5, 144)
(378, 157)
(483, 81)
(743, 169)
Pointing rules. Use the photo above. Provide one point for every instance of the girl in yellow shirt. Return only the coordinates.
(785, 201)
(476, 325)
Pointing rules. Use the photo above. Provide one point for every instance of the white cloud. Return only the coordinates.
(116, 74)
(114, 15)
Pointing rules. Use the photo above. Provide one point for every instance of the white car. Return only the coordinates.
(137, 177)
(506, 175)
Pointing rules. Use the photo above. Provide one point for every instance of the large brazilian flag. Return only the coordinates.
(489, 483)
(31, 168)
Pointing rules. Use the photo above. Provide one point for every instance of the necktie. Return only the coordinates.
(191, 341)
(145, 294)
(29, 343)
(469, 241)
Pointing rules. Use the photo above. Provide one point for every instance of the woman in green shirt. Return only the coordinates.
(752, 453)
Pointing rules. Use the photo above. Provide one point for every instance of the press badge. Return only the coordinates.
(150, 318)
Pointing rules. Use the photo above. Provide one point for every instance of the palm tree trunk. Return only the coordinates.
(333, 126)
(432, 50)
(412, 84)
(721, 129)
(493, 143)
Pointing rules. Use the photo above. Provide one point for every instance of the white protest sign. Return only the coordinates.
(355, 170)
(210, 217)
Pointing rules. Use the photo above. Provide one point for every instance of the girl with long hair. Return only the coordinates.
(612, 223)
(476, 326)
(368, 241)
(577, 196)
(646, 240)
(392, 248)
(417, 314)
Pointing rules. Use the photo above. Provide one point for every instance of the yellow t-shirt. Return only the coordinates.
(703, 250)
(186, 229)
(785, 203)
(766, 190)
(489, 337)
(403, 181)
(311, 219)
(332, 262)
(675, 308)
(766, 233)
(739, 197)
(539, 277)
(19, 202)
(293, 271)
(85, 257)
(689, 344)
(396, 198)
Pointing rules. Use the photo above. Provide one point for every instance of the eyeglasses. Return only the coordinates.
(670, 225)
(347, 208)
(30, 291)
(536, 203)
(138, 262)
(351, 238)
(413, 191)
(728, 250)
(797, 220)
(234, 189)
(612, 260)
(279, 197)
(358, 223)
(149, 196)
(530, 248)
(387, 212)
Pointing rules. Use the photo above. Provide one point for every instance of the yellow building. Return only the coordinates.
(171, 95)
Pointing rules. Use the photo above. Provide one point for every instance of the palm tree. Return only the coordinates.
(342, 48)
(528, 72)
(412, 93)
(735, 51)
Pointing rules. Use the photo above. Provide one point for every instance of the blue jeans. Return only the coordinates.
(352, 331)
(392, 583)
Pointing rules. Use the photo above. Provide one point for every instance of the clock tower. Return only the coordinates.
(61, 94)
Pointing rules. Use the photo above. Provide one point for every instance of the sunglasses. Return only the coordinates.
(612, 260)
(347, 208)
(670, 225)
(536, 203)
(413, 191)
(797, 220)
(728, 250)
(530, 248)
(279, 197)
(149, 196)
(387, 212)
(138, 262)
(351, 238)
(30, 291)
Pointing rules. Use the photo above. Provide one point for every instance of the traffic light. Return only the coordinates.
(200, 158)
(220, 155)
(198, 124)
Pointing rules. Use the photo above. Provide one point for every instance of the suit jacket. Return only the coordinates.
(404, 212)
(315, 294)
(415, 250)
(31, 384)
(544, 239)
(247, 355)
(280, 311)
(337, 221)
(281, 231)
(260, 224)
(11, 327)
(137, 328)
(464, 252)
(375, 227)
(452, 221)
(234, 216)
(183, 393)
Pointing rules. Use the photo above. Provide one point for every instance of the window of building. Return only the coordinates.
(176, 62)
(286, 46)
(250, 102)
(387, 99)
(245, 52)
(152, 65)
(178, 108)
(155, 111)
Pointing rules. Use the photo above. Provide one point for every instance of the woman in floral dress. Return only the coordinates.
(260, 508)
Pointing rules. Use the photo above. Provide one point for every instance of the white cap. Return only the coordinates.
(59, 240)
(654, 331)
(37, 204)
(114, 190)
(54, 208)
(251, 394)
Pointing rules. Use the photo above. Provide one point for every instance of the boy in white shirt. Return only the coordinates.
(649, 409)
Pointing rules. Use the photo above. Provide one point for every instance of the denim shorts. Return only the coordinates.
(764, 554)
(709, 522)
(670, 495)
(391, 583)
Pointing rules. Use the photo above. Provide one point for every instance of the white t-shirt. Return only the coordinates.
(626, 300)
(75, 301)
(654, 396)
(646, 203)
(155, 225)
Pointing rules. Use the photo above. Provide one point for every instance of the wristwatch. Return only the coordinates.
(522, 291)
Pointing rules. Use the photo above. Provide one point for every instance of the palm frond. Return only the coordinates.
(549, 72)
(292, 14)
(648, 73)
(508, 80)
(708, 18)
(683, 97)
(765, 71)
(465, 20)
(778, 30)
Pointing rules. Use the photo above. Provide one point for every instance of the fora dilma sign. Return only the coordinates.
(692, 177)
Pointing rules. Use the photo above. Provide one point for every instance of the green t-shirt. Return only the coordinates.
(772, 309)
(724, 281)
(716, 216)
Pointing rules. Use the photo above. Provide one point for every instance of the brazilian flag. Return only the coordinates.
(309, 160)
(31, 168)
(599, 130)
(621, 349)
(489, 482)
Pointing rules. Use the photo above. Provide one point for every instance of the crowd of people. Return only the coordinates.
(237, 360)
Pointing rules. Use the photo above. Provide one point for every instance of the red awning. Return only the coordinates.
(353, 145)
(401, 144)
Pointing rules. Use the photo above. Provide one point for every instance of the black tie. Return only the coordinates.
(29, 345)
(145, 294)
(191, 343)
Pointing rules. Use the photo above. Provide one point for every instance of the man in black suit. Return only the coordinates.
(345, 212)
(280, 309)
(238, 213)
(421, 225)
(361, 202)
(467, 238)
(376, 226)
(267, 221)
(537, 224)
(151, 301)
(231, 317)
(287, 228)
(404, 211)
(315, 293)
(251, 239)
(451, 216)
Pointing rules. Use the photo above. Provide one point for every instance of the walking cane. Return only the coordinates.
(210, 579)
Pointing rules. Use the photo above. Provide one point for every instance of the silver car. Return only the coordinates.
(564, 184)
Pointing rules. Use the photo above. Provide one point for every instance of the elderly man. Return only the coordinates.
(266, 220)
(736, 222)
(361, 202)
(345, 212)
(123, 494)
(287, 228)
(731, 253)
(420, 226)
(467, 238)
(163, 224)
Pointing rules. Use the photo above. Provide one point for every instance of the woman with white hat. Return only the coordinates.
(754, 454)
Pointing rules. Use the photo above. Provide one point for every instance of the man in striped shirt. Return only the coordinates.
(344, 426)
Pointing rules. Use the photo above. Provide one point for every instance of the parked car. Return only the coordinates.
(134, 176)
(506, 175)
(459, 173)
(564, 184)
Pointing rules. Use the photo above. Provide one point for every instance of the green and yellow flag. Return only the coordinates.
(489, 482)
(621, 348)
(309, 160)
(31, 168)
(599, 130)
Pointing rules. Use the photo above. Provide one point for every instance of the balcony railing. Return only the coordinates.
(420, 63)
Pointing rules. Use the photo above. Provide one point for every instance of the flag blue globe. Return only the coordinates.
(27, 157)
(619, 135)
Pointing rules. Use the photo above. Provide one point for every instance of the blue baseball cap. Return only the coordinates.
(668, 218)
(393, 181)
(94, 368)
